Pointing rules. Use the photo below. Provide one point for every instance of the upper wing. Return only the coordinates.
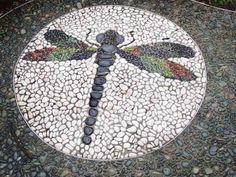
(153, 59)
(68, 48)
(60, 39)
(162, 50)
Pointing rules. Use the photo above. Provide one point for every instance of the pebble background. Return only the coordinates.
(138, 112)
(205, 148)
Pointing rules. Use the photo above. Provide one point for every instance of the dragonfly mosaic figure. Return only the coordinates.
(152, 58)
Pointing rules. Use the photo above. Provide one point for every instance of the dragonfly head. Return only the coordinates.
(110, 37)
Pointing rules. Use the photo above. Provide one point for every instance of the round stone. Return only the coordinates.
(86, 140)
(120, 39)
(88, 130)
(100, 37)
(90, 121)
(167, 171)
(93, 112)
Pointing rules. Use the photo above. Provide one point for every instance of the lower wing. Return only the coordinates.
(153, 64)
(58, 54)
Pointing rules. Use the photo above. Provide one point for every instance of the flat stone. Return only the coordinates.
(101, 71)
(105, 56)
(97, 88)
(105, 62)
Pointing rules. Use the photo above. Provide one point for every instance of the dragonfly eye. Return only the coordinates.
(120, 39)
(100, 37)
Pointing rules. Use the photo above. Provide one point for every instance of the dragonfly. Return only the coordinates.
(153, 57)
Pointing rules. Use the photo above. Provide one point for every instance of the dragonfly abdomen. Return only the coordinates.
(104, 59)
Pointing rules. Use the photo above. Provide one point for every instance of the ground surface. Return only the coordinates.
(206, 148)
(229, 6)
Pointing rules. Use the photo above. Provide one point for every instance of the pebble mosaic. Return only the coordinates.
(110, 82)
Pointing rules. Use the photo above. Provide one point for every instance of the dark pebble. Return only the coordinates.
(96, 95)
(100, 37)
(97, 88)
(234, 150)
(93, 102)
(167, 171)
(105, 63)
(213, 150)
(109, 48)
(88, 130)
(128, 163)
(204, 134)
(90, 121)
(101, 71)
(93, 112)
(33, 174)
(86, 139)
(104, 56)
(100, 80)
(120, 39)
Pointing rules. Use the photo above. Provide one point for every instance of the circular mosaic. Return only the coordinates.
(109, 82)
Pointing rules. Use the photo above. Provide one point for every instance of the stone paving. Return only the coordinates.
(206, 147)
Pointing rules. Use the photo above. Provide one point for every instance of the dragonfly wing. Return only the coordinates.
(167, 68)
(68, 48)
(133, 59)
(153, 64)
(39, 55)
(162, 50)
(60, 39)
(58, 54)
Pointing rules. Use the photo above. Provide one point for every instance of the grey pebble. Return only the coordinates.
(88, 130)
(93, 112)
(167, 171)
